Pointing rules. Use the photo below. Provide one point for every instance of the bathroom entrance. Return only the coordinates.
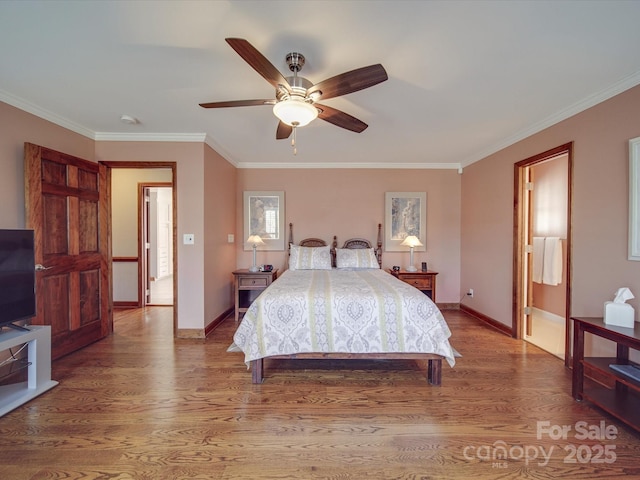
(543, 250)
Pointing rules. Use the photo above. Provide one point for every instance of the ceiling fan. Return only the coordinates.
(296, 98)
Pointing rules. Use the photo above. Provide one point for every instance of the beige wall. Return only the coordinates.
(600, 211)
(16, 128)
(219, 222)
(350, 203)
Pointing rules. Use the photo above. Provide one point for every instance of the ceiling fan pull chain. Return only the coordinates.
(293, 140)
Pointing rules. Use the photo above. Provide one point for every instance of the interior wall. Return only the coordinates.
(19, 127)
(220, 178)
(600, 211)
(350, 203)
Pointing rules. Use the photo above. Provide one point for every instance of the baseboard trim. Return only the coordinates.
(448, 306)
(190, 333)
(217, 321)
(128, 304)
(488, 320)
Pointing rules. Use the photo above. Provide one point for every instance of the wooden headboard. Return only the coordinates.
(351, 243)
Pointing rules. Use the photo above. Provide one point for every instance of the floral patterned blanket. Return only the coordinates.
(346, 311)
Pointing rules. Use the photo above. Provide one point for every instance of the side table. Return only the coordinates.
(423, 281)
(248, 285)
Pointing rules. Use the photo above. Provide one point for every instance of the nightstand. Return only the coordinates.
(248, 285)
(423, 281)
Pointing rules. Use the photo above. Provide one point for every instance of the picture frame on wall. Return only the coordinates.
(405, 214)
(263, 214)
(634, 199)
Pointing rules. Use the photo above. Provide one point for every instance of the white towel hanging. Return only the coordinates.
(552, 267)
(538, 259)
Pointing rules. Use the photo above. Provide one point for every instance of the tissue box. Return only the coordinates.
(619, 314)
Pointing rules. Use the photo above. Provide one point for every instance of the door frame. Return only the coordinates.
(109, 165)
(520, 243)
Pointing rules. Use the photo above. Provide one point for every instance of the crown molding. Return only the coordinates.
(29, 107)
(149, 137)
(578, 107)
(220, 151)
(394, 166)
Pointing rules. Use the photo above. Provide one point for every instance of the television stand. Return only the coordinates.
(16, 327)
(38, 340)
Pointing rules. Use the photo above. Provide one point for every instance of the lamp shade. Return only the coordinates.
(255, 240)
(411, 241)
(295, 112)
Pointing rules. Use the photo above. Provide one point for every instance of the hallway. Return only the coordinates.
(161, 292)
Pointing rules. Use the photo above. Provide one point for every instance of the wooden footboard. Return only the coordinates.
(434, 362)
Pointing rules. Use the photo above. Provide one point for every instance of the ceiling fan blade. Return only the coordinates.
(258, 61)
(340, 118)
(283, 131)
(349, 82)
(238, 103)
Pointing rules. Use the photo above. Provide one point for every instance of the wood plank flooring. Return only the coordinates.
(141, 405)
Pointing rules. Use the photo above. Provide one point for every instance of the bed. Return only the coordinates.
(337, 303)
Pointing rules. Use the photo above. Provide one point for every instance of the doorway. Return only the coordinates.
(155, 233)
(542, 251)
(129, 266)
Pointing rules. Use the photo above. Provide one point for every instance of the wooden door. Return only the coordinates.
(66, 206)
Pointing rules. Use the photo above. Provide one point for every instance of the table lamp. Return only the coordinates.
(254, 241)
(411, 241)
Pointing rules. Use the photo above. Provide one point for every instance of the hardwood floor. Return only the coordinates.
(141, 405)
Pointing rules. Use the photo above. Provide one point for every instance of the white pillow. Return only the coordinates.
(309, 258)
(356, 258)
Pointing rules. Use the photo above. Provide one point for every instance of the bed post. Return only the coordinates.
(286, 262)
(379, 245)
(333, 252)
(434, 371)
(257, 370)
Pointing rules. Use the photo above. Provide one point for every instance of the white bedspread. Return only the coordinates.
(354, 311)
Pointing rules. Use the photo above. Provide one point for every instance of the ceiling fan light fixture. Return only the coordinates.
(295, 112)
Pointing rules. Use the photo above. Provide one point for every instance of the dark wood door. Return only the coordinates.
(67, 207)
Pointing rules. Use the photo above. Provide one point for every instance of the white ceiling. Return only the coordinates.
(466, 78)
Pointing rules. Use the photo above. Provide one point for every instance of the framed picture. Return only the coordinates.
(634, 199)
(264, 216)
(405, 214)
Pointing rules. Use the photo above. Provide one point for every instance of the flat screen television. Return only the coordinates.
(17, 277)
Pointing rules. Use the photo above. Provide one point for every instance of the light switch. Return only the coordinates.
(231, 238)
(189, 239)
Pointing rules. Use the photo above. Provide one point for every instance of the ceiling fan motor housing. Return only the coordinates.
(299, 86)
(295, 61)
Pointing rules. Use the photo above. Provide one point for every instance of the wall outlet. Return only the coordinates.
(231, 238)
(470, 292)
(189, 239)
